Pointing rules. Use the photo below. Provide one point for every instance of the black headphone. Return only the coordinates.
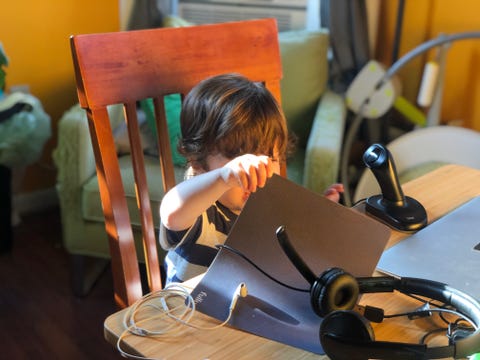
(346, 334)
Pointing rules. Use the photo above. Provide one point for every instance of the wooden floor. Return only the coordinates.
(39, 316)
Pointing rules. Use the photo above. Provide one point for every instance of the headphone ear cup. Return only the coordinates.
(342, 327)
(334, 290)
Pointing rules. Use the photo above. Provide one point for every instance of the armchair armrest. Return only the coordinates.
(74, 154)
(75, 164)
(324, 146)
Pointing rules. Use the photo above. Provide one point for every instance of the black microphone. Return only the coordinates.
(292, 254)
(392, 206)
(370, 312)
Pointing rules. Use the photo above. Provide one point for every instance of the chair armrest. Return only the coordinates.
(324, 146)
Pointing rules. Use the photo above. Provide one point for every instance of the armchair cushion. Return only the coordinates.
(92, 208)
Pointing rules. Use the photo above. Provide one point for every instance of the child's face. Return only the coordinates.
(236, 197)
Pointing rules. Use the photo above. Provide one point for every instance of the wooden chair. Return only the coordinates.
(126, 67)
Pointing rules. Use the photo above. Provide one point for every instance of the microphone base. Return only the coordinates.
(409, 217)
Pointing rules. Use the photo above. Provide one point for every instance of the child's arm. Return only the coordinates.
(182, 205)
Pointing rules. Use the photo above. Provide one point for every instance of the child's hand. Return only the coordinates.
(333, 192)
(249, 172)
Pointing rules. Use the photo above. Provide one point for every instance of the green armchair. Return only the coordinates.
(314, 113)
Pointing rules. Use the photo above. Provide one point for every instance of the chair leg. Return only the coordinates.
(86, 270)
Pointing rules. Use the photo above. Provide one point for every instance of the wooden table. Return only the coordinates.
(439, 191)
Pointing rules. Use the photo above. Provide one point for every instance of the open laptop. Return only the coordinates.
(448, 251)
(325, 234)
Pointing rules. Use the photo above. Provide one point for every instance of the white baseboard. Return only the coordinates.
(35, 201)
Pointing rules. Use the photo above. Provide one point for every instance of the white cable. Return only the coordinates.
(176, 316)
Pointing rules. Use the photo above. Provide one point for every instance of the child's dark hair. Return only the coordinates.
(230, 115)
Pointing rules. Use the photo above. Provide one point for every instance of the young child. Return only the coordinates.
(233, 137)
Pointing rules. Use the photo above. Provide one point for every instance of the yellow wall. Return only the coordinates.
(35, 37)
(427, 19)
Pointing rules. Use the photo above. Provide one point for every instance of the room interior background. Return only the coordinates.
(35, 36)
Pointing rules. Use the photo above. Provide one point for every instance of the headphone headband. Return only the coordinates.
(345, 334)
(435, 290)
(361, 349)
(462, 302)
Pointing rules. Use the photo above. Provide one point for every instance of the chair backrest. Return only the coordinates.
(423, 150)
(126, 67)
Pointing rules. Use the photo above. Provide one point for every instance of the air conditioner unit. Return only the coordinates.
(290, 14)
